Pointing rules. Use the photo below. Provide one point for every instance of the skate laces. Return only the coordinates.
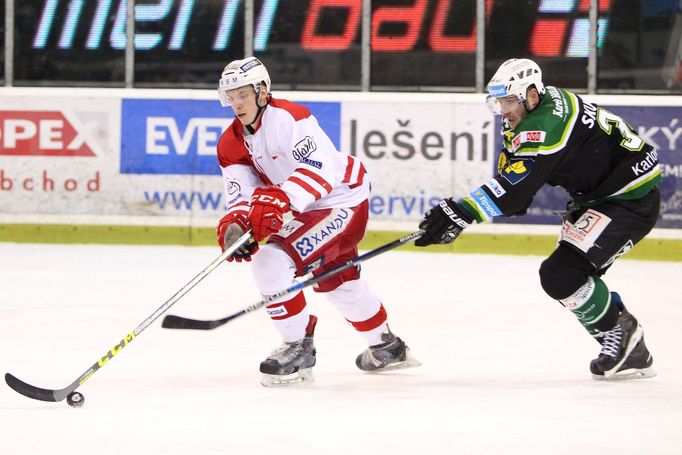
(612, 342)
(287, 352)
(386, 352)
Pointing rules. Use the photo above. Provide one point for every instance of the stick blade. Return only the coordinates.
(30, 391)
(177, 322)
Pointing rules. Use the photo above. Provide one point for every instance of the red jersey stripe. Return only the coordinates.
(308, 173)
(316, 194)
(361, 177)
(349, 169)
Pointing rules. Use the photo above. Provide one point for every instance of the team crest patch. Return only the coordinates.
(516, 171)
(233, 187)
(232, 191)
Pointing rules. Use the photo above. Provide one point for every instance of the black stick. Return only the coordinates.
(179, 322)
(59, 394)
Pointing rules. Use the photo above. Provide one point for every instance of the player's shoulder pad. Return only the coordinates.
(545, 127)
(297, 111)
(231, 148)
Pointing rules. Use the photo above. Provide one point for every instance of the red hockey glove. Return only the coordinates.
(230, 228)
(268, 206)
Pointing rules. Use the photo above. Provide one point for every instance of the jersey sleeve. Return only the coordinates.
(239, 176)
(510, 192)
(314, 174)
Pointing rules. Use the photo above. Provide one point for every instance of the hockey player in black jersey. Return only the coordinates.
(553, 137)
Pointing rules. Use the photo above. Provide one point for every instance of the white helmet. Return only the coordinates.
(238, 73)
(513, 77)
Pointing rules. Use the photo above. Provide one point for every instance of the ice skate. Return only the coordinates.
(291, 363)
(392, 354)
(624, 354)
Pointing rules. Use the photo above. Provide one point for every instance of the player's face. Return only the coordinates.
(243, 102)
(518, 112)
(510, 107)
(515, 115)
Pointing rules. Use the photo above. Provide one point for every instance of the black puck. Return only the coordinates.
(75, 399)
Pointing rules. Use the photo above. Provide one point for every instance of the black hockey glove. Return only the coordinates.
(443, 223)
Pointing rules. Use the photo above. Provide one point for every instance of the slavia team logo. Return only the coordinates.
(44, 133)
(233, 187)
(233, 191)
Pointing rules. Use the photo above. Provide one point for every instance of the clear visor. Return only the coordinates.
(235, 96)
(502, 105)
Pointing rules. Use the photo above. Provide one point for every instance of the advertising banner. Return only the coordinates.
(58, 155)
(418, 153)
(179, 137)
(106, 155)
(168, 154)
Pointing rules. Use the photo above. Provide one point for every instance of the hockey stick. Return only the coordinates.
(179, 322)
(58, 395)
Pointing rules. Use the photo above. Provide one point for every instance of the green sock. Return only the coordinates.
(590, 303)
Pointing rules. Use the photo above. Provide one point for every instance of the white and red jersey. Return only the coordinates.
(290, 150)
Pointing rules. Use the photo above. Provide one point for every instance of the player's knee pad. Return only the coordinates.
(273, 270)
(332, 283)
(564, 272)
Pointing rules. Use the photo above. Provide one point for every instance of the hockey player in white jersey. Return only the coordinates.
(276, 159)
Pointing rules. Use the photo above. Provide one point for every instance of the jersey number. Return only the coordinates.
(607, 120)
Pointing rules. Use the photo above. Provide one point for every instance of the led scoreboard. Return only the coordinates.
(304, 42)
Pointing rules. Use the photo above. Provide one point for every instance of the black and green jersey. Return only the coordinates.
(566, 142)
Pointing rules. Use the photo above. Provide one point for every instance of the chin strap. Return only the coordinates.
(258, 113)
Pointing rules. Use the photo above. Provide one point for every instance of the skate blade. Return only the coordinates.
(630, 373)
(301, 377)
(409, 362)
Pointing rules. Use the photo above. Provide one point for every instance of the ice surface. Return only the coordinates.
(505, 368)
